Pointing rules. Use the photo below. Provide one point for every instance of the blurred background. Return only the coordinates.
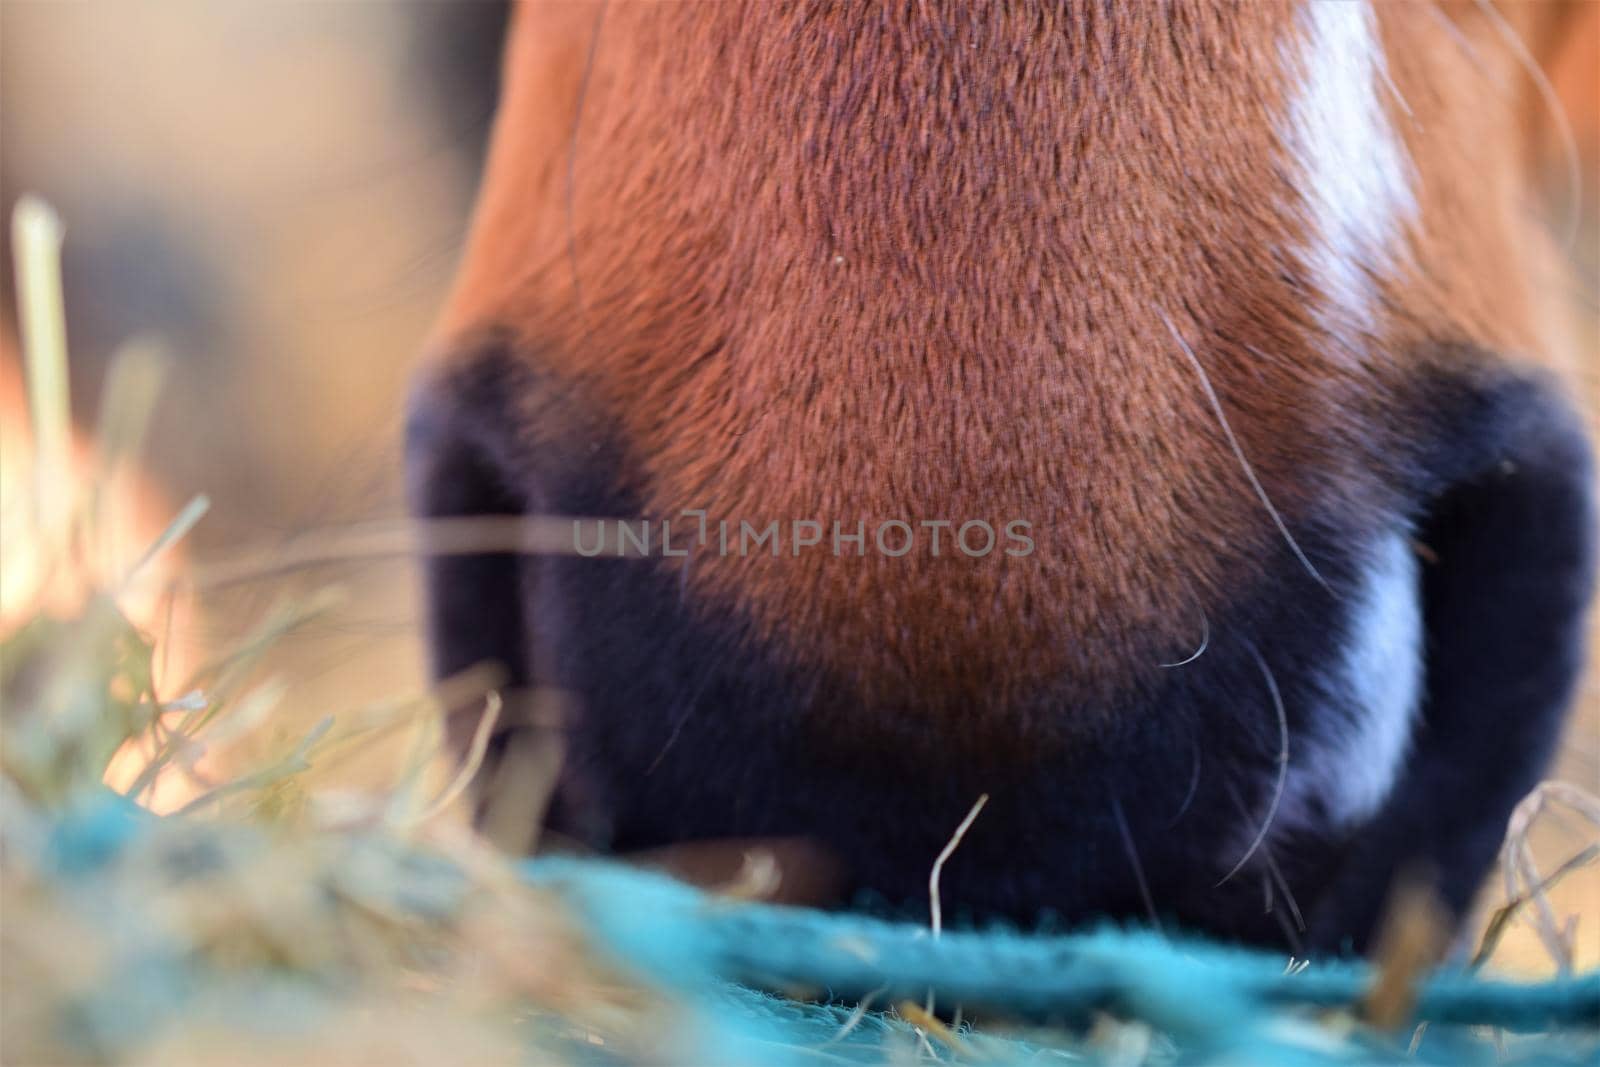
(277, 192)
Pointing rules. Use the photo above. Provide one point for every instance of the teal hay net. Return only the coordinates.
(721, 981)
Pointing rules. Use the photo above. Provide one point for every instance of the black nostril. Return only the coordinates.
(453, 470)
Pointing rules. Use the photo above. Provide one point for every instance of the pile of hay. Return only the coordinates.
(268, 921)
(263, 926)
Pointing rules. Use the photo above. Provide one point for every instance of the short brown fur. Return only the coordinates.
(821, 262)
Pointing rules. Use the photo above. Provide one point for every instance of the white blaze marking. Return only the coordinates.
(1360, 739)
(1357, 178)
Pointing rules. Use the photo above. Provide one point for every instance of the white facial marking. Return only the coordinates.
(1351, 761)
(1356, 176)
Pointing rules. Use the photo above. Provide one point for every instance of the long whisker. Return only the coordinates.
(1238, 452)
(1466, 47)
(572, 151)
(1282, 883)
(1205, 643)
(1283, 765)
(1558, 113)
(1133, 860)
(1194, 784)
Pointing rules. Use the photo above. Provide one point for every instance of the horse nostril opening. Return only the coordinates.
(474, 608)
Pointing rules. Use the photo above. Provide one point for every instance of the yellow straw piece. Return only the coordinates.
(36, 247)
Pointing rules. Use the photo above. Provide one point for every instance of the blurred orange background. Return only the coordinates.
(277, 193)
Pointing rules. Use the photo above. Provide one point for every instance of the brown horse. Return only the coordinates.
(1139, 413)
